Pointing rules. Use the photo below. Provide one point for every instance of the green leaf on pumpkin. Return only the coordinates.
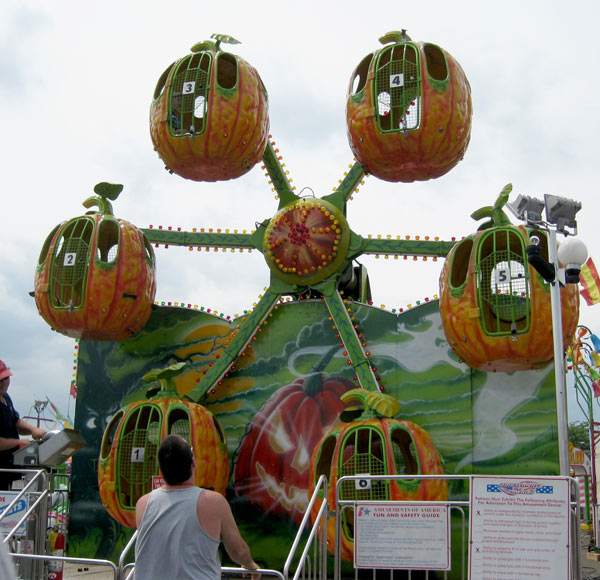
(108, 190)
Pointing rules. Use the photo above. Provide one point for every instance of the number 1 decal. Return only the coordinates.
(137, 455)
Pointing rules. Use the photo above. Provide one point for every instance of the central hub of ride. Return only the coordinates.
(306, 242)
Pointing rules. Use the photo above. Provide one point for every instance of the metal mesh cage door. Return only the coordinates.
(69, 268)
(188, 97)
(503, 283)
(362, 452)
(137, 453)
(398, 88)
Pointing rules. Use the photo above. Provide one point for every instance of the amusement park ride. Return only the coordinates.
(408, 113)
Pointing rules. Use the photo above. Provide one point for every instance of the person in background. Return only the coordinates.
(7, 570)
(11, 427)
(180, 526)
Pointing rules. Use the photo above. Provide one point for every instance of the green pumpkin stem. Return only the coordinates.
(495, 212)
(313, 382)
(166, 379)
(209, 45)
(396, 36)
(106, 191)
(375, 405)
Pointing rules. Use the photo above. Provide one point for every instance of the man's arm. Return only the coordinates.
(235, 545)
(140, 508)
(8, 443)
(25, 428)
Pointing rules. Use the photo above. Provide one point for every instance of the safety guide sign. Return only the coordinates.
(402, 535)
(519, 528)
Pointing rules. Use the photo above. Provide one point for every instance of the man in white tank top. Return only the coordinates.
(180, 525)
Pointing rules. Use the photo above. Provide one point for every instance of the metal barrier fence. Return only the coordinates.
(308, 556)
(460, 508)
(34, 496)
(310, 564)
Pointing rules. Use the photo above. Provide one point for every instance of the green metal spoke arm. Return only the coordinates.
(356, 354)
(347, 187)
(278, 177)
(241, 339)
(406, 247)
(201, 239)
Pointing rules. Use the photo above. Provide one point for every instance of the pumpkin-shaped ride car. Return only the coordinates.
(95, 278)
(128, 452)
(374, 444)
(408, 110)
(209, 117)
(495, 307)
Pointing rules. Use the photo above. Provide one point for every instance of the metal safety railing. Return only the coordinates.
(308, 557)
(34, 497)
(310, 563)
(461, 509)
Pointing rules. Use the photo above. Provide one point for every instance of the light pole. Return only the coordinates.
(560, 218)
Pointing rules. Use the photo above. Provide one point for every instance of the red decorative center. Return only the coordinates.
(303, 239)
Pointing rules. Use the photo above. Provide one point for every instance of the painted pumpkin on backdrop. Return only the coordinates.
(408, 110)
(128, 453)
(496, 309)
(374, 444)
(95, 277)
(209, 117)
(272, 463)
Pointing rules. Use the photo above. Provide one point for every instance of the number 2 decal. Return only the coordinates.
(69, 259)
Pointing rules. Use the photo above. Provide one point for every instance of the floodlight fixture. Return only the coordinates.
(527, 209)
(561, 212)
(572, 253)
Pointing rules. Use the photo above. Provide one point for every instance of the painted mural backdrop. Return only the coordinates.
(479, 422)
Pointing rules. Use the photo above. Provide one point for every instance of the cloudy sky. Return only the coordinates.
(77, 78)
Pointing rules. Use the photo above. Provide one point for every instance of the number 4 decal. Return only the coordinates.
(397, 80)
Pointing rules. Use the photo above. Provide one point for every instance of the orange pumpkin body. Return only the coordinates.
(408, 112)
(383, 446)
(209, 118)
(96, 278)
(466, 311)
(128, 454)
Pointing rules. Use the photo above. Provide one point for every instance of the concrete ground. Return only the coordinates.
(87, 572)
(590, 568)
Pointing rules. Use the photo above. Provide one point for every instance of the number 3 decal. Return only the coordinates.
(188, 88)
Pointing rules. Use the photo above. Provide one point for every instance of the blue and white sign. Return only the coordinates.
(8, 522)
